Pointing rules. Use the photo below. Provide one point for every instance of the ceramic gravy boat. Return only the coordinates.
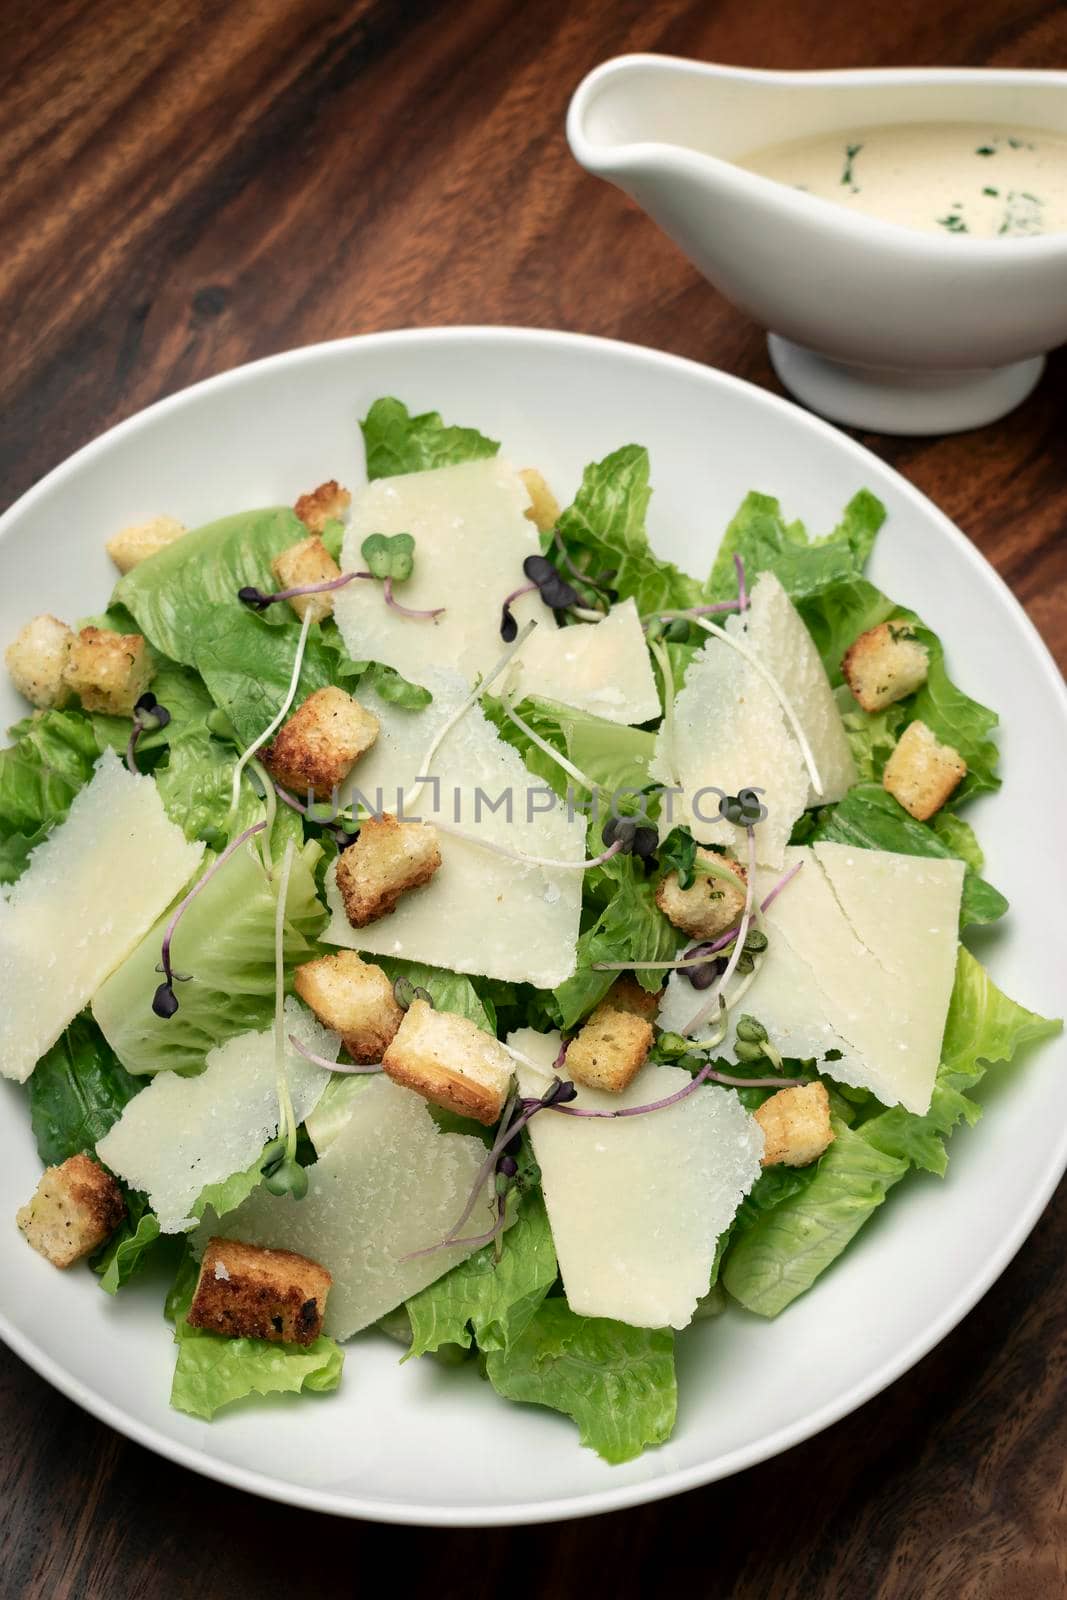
(872, 323)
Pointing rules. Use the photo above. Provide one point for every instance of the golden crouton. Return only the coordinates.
(713, 902)
(451, 1062)
(626, 994)
(108, 671)
(321, 743)
(921, 773)
(74, 1209)
(543, 510)
(387, 860)
(609, 1050)
(307, 562)
(36, 658)
(354, 998)
(323, 504)
(796, 1125)
(885, 664)
(245, 1292)
(129, 547)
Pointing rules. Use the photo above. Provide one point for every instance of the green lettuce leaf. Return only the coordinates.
(395, 441)
(778, 1257)
(170, 593)
(616, 1382)
(450, 991)
(766, 542)
(604, 529)
(629, 926)
(611, 756)
(870, 819)
(226, 941)
(77, 1092)
(495, 1298)
(983, 1027)
(128, 1250)
(212, 1371)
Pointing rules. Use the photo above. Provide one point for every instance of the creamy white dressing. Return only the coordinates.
(961, 178)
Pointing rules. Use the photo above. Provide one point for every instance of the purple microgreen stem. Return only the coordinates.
(148, 714)
(584, 578)
(331, 1066)
(742, 591)
(165, 1001)
(258, 601)
(406, 611)
(508, 626)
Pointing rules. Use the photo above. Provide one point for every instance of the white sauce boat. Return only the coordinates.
(873, 324)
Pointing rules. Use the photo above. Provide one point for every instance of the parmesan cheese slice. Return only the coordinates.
(778, 635)
(89, 895)
(730, 731)
(636, 1206)
(481, 912)
(600, 667)
(861, 962)
(180, 1133)
(389, 1183)
(471, 539)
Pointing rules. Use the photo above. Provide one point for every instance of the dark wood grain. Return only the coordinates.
(187, 186)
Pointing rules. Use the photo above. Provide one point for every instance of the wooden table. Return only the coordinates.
(187, 186)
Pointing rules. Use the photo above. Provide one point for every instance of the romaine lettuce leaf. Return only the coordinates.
(212, 1371)
(496, 1298)
(127, 1251)
(629, 927)
(226, 942)
(612, 756)
(616, 1382)
(395, 441)
(869, 818)
(604, 529)
(170, 593)
(77, 1092)
(766, 542)
(779, 1256)
(450, 991)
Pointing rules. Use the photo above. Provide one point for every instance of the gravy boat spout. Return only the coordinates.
(872, 323)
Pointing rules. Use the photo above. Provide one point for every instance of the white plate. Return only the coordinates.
(420, 1443)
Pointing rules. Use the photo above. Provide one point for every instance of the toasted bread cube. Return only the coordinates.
(354, 998)
(711, 904)
(885, 664)
(321, 743)
(130, 546)
(307, 562)
(108, 671)
(246, 1292)
(796, 1126)
(609, 1050)
(387, 859)
(921, 773)
(322, 505)
(543, 510)
(36, 659)
(74, 1209)
(626, 994)
(451, 1062)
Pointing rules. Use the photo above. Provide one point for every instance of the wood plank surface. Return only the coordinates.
(186, 186)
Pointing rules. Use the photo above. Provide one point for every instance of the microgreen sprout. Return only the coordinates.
(508, 626)
(258, 601)
(283, 1174)
(408, 611)
(405, 993)
(600, 584)
(556, 592)
(332, 1066)
(626, 835)
(389, 556)
(277, 720)
(148, 715)
(549, 750)
(165, 1001)
(742, 590)
(752, 1043)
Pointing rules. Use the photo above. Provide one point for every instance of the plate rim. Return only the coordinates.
(681, 1479)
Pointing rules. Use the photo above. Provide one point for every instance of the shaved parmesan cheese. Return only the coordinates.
(390, 1182)
(89, 895)
(636, 1206)
(730, 731)
(471, 539)
(601, 667)
(729, 734)
(180, 1134)
(481, 912)
(778, 635)
(861, 961)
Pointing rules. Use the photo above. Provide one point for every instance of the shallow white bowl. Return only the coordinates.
(426, 1445)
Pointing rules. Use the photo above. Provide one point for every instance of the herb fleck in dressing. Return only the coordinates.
(940, 177)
